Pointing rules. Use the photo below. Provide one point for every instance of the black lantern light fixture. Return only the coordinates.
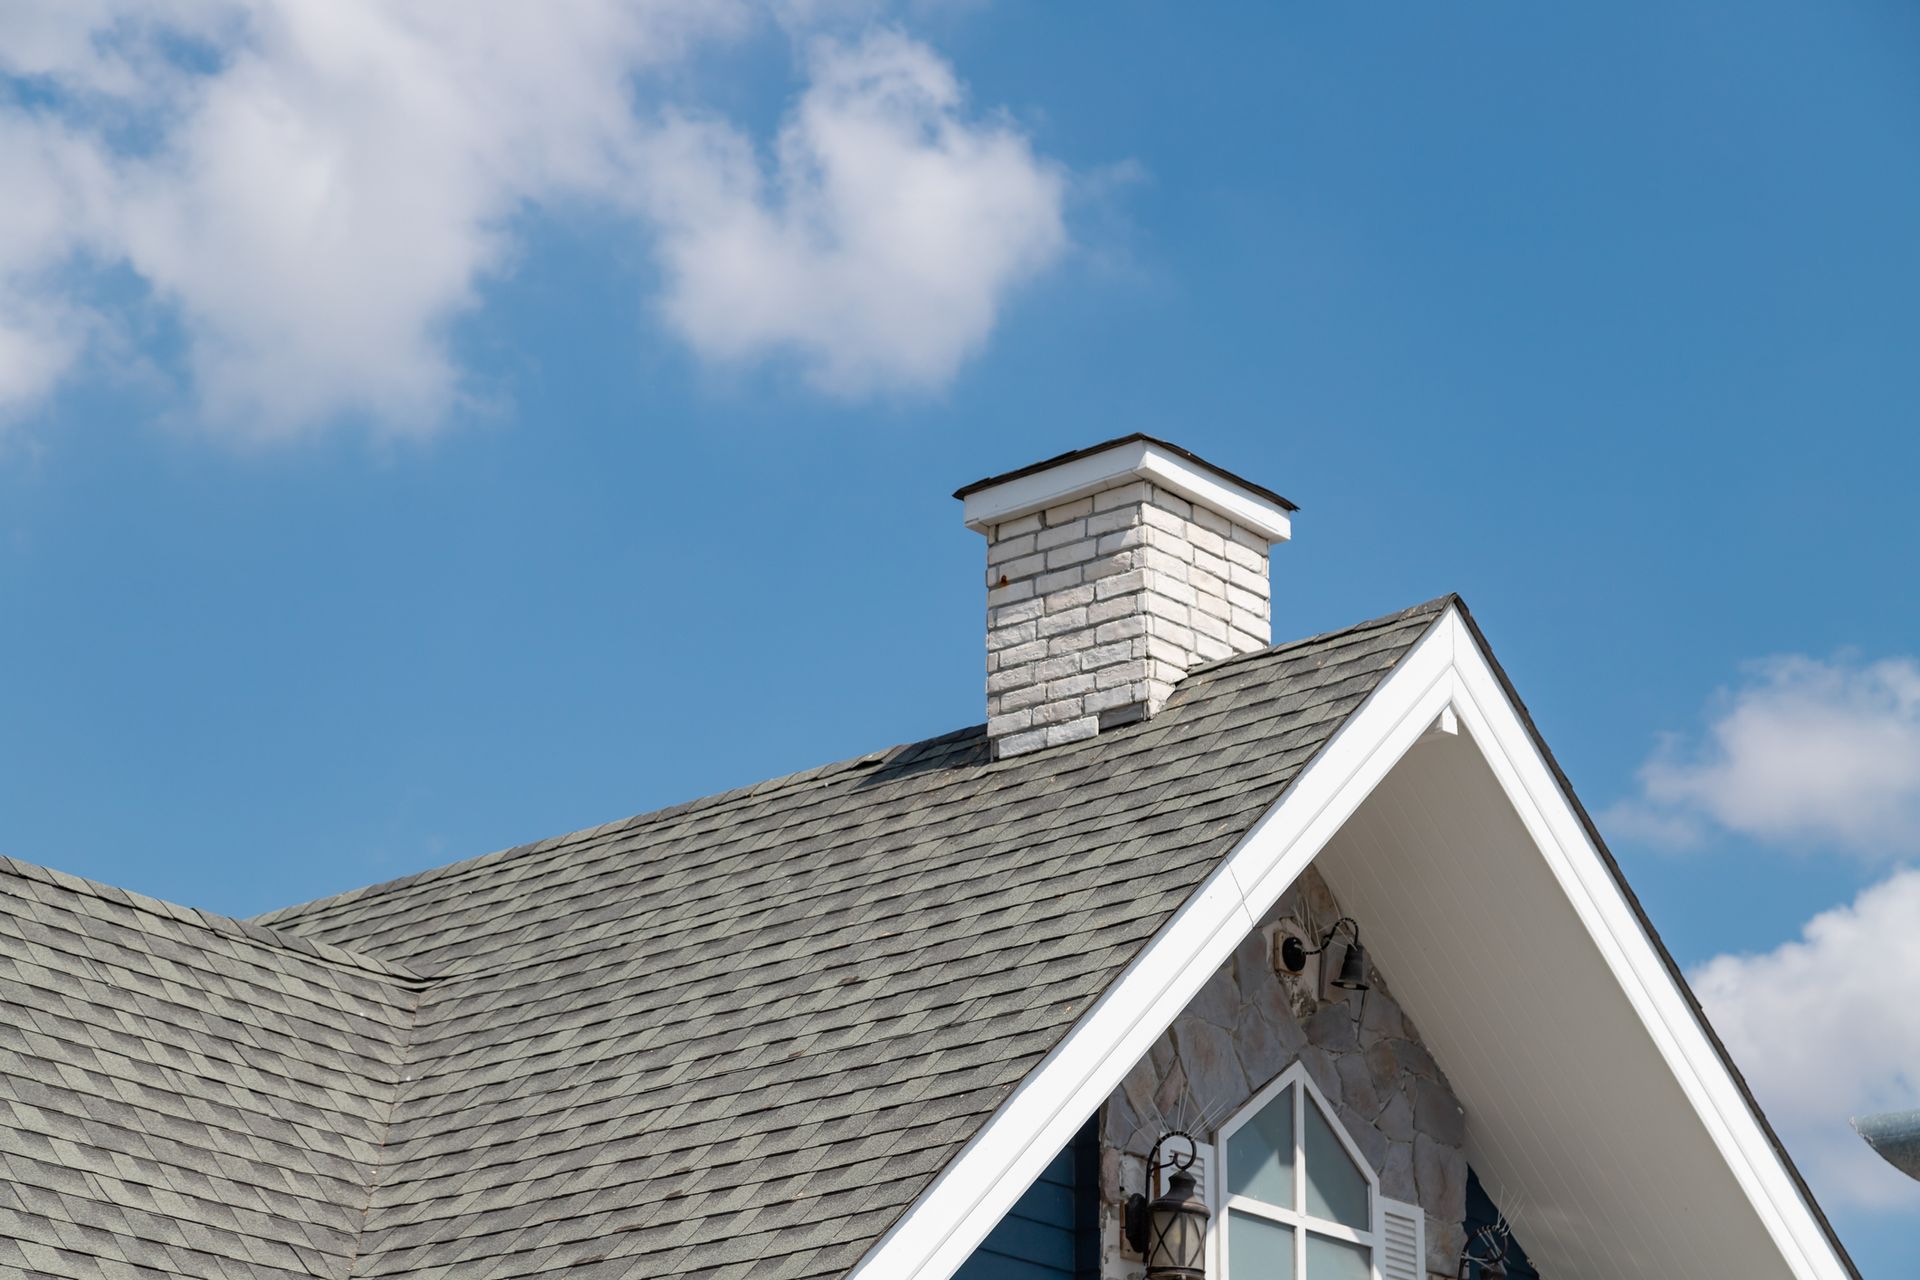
(1485, 1253)
(1352, 974)
(1171, 1230)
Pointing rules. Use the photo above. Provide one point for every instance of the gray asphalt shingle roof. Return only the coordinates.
(735, 1037)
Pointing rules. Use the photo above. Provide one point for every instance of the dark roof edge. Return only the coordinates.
(1653, 935)
(1137, 437)
(325, 952)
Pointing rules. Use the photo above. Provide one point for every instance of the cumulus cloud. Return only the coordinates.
(879, 246)
(318, 192)
(1805, 753)
(1827, 1027)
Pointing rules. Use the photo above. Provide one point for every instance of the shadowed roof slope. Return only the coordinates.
(738, 1036)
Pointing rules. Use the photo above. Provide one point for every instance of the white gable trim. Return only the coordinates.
(1444, 671)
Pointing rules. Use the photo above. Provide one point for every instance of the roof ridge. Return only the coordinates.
(799, 777)
(817, 773)
(264, 935)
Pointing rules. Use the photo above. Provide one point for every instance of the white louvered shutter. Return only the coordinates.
(1204, 1181)
(1403, 1245)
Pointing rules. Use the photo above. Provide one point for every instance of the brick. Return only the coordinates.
(1212, 650)
(1017, 634)
(1207, 625)
(1177, 591)
(1032, 651)
(1247, 602)
(1019, 699)
(1246, 557)
(1072, 553)
(1071, 642)
(1054, 711)
(1160, 518)
(1065, 620)
(1069, 598)
(1075, 510)
(1009, 594)
(1120, 584)
(1213, 521)
(1161, 563)
(1022, 567)
(1120, 541)
(1019, 744)
(1247, 580)
(1055, 581)
(1059, 535)
(1014, 528)
(1112, 521)
(1010, 548)
(1171, 633)
(1155, 605)
(1059, 668)
(1205, 540)
(1206, 583)
(1169, 501)
(1059, 735)
(1123, 674)
(1107, 654)
(1121, 629)
(1012, 722)
(1073, 686)
(1108, 610)
(1212, 606)
(1248, 538)
(1009, 678)
(1014, 614)
(1124, 495)
(1208, 562)
(1248, 641)
(1107, 566)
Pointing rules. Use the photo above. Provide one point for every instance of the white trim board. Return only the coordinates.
(1127, 460)
(1445, 671)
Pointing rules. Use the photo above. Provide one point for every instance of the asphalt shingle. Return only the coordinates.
(734, 1037)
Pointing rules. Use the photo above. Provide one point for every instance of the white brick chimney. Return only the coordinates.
(1111, 573)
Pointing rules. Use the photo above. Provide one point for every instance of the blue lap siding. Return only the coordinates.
(1052, 1232)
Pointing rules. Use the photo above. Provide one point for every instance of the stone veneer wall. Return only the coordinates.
(1247, 1025)
(1096, 608)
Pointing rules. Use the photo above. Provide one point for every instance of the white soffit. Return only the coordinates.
(1594, 952)
(1128, 460)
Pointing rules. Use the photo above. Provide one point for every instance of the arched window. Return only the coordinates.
(1295, 1200)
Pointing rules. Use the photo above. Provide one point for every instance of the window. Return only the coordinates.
(1296, 1201)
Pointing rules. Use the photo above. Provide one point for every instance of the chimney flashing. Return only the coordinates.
(1001, 499)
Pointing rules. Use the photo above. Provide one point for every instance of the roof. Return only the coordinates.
(738, 1036)
(1137, 437)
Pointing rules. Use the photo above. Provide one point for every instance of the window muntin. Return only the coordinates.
(1299, 1201)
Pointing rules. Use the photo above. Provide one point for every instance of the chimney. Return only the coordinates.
(1111, 573)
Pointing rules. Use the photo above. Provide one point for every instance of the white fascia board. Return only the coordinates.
(1446, 670)
(1136, 459)
(950, 1219)
(1636, 960)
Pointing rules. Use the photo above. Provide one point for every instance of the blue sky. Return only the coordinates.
(406, 457)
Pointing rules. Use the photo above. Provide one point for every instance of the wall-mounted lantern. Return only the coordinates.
(1171, 1230)
(1352, 974)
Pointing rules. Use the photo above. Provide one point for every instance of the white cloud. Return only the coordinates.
(1826, 1028)
(879, 248)
(1806, 753)
(319, 191)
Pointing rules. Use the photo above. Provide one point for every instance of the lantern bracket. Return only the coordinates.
(1137, 1216)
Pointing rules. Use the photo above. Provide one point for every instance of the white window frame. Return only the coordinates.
(1295, 1216)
